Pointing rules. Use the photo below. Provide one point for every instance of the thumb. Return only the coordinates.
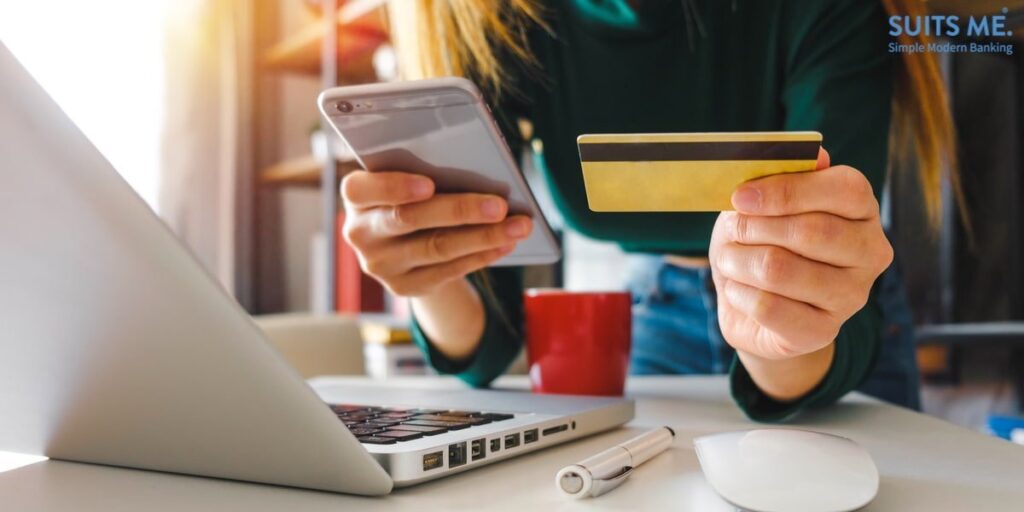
(824, 162)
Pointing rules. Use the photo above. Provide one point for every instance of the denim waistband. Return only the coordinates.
(651, 275)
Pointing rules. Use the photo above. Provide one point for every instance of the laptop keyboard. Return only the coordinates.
(390, 425)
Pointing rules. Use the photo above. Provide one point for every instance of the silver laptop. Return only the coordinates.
(117, 348)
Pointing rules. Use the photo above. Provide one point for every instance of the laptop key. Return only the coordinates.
(341, 408)
(458, 419)
(365, 431)
(450, 425)
(437, 417)
(399, 435)
(379, 422)
(495, 416)
(459, 413)
(376, 440)
(395, 415)
(423, 429)
(359, 415)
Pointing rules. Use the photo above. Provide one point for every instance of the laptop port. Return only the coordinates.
(433, 461)
(530, 436)
(456, 455)
(554, 430)
(511, 441)
(495, 445)
(476, 450)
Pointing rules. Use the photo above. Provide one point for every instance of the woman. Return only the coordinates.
(781, 293)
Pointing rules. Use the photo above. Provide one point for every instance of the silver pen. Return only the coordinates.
(608, 469)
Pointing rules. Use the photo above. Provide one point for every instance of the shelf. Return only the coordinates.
(301, 171)
(362, 28)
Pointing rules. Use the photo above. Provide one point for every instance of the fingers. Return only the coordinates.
(817, 236)
(423, 279)
(796, 259)
(362, 189)
(781, 272)
(824, 160)
(746, 335)
(444, 245)
(413, 241)
(441, 245)
(793, 327)
(840, 190)
(443, 210)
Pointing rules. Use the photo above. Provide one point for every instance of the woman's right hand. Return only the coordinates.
(413, 240)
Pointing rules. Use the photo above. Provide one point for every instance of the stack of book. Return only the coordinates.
(388, 350)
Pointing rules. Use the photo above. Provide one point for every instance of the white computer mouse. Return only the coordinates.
(789, 470)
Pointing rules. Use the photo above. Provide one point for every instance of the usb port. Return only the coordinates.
(554, 430)
(476, 450)
(456, 455)
(511, 441)
(530, 436)
(495, 445)
(433, 460)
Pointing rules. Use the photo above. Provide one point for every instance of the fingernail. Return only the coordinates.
(516, 228)
(747, 199)
(491, 208)
(422, 187)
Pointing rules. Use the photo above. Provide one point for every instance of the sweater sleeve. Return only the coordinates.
(501, 292)
(838, 82)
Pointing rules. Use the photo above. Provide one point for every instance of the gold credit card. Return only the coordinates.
(685, 172)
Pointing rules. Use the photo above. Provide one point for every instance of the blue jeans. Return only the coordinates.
(675, 329)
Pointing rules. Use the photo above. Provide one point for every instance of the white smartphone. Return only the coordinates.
(442, 129)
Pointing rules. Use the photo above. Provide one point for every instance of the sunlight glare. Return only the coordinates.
(102, 61)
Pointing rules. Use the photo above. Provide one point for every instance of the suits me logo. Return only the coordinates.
(989, 28)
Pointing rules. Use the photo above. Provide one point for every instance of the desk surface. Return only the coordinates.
(925, 463)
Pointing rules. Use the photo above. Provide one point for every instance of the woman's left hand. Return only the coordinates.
(796, 260)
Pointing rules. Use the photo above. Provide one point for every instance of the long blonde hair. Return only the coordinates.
(461, 37)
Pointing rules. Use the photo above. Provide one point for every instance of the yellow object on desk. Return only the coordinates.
(385, 334)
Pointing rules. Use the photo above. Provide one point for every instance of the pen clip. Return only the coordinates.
(603, 485)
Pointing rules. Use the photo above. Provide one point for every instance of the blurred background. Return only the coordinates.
(207, 108)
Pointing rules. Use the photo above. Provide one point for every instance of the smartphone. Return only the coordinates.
(440, 128)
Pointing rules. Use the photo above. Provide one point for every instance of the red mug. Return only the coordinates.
(578, 342)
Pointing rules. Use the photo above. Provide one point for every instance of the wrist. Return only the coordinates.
(452, 318)
(787, 380)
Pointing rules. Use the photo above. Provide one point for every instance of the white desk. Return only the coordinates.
(926, 464)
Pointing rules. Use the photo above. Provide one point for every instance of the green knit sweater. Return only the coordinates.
(615, 66)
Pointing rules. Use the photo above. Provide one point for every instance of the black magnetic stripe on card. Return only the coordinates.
(670, 151)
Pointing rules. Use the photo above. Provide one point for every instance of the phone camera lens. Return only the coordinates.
(344, 107)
